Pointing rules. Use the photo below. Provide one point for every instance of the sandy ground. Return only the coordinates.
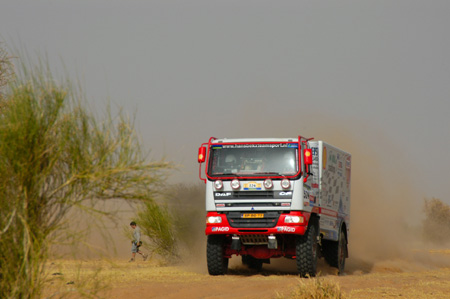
(122, 280)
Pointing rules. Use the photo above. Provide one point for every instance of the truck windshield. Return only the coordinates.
(253, 159)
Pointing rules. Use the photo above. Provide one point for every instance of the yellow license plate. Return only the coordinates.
(252, 215)
(252, 186)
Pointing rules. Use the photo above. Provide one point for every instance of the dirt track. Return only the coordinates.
(123, 280)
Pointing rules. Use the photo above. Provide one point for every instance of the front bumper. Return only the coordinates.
(282, 227)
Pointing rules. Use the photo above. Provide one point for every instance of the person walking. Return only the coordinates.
(136, 243)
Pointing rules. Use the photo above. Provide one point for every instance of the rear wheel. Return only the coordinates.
(215, 250)
(335, 252)
(306, 251)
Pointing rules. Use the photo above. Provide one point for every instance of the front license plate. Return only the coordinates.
(253, 215)
(252, 186)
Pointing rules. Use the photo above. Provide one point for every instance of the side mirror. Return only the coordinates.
(201, 154)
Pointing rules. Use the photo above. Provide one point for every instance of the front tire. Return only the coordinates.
(306, 251)
(215, 251)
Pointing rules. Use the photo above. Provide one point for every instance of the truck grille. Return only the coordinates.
(253, 194)
(237, 221)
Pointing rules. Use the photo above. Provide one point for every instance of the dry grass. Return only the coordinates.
(440, 251)
(316, 288)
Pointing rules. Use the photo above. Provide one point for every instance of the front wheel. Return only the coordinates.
(306, 251)
(215, 251)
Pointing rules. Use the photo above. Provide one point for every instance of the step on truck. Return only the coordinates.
(272, 198)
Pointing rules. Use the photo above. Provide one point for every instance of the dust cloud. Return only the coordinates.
(88, 235)
(386, 232)
(386, 229)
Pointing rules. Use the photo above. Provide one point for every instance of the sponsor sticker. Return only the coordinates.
(328, 212)
(286, 229)
(315, 151)
(220, 229)
(305, 195)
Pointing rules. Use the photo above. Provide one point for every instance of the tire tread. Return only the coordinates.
(306, 260)
(217, 263)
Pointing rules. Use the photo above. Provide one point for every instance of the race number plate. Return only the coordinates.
(252, 186)
(252, 215)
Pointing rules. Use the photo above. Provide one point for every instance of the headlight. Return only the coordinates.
(235, 184)
(214, 219)
(268, 184)
(218, 184)
(293, 219)
(285, 183)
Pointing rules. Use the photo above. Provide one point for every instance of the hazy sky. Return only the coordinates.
(375, 72)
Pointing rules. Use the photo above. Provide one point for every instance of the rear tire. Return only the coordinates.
(335, 252)
(215, 250)
(306, 251)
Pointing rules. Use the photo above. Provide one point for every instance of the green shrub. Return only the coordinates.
(158, 225)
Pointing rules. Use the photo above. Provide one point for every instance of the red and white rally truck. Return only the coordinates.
(278, 197)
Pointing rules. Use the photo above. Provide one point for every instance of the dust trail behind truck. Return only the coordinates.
(278, 197)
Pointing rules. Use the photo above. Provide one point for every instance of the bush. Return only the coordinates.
(158, 225)
(316, 288)
(55, 156)
(436, 226)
